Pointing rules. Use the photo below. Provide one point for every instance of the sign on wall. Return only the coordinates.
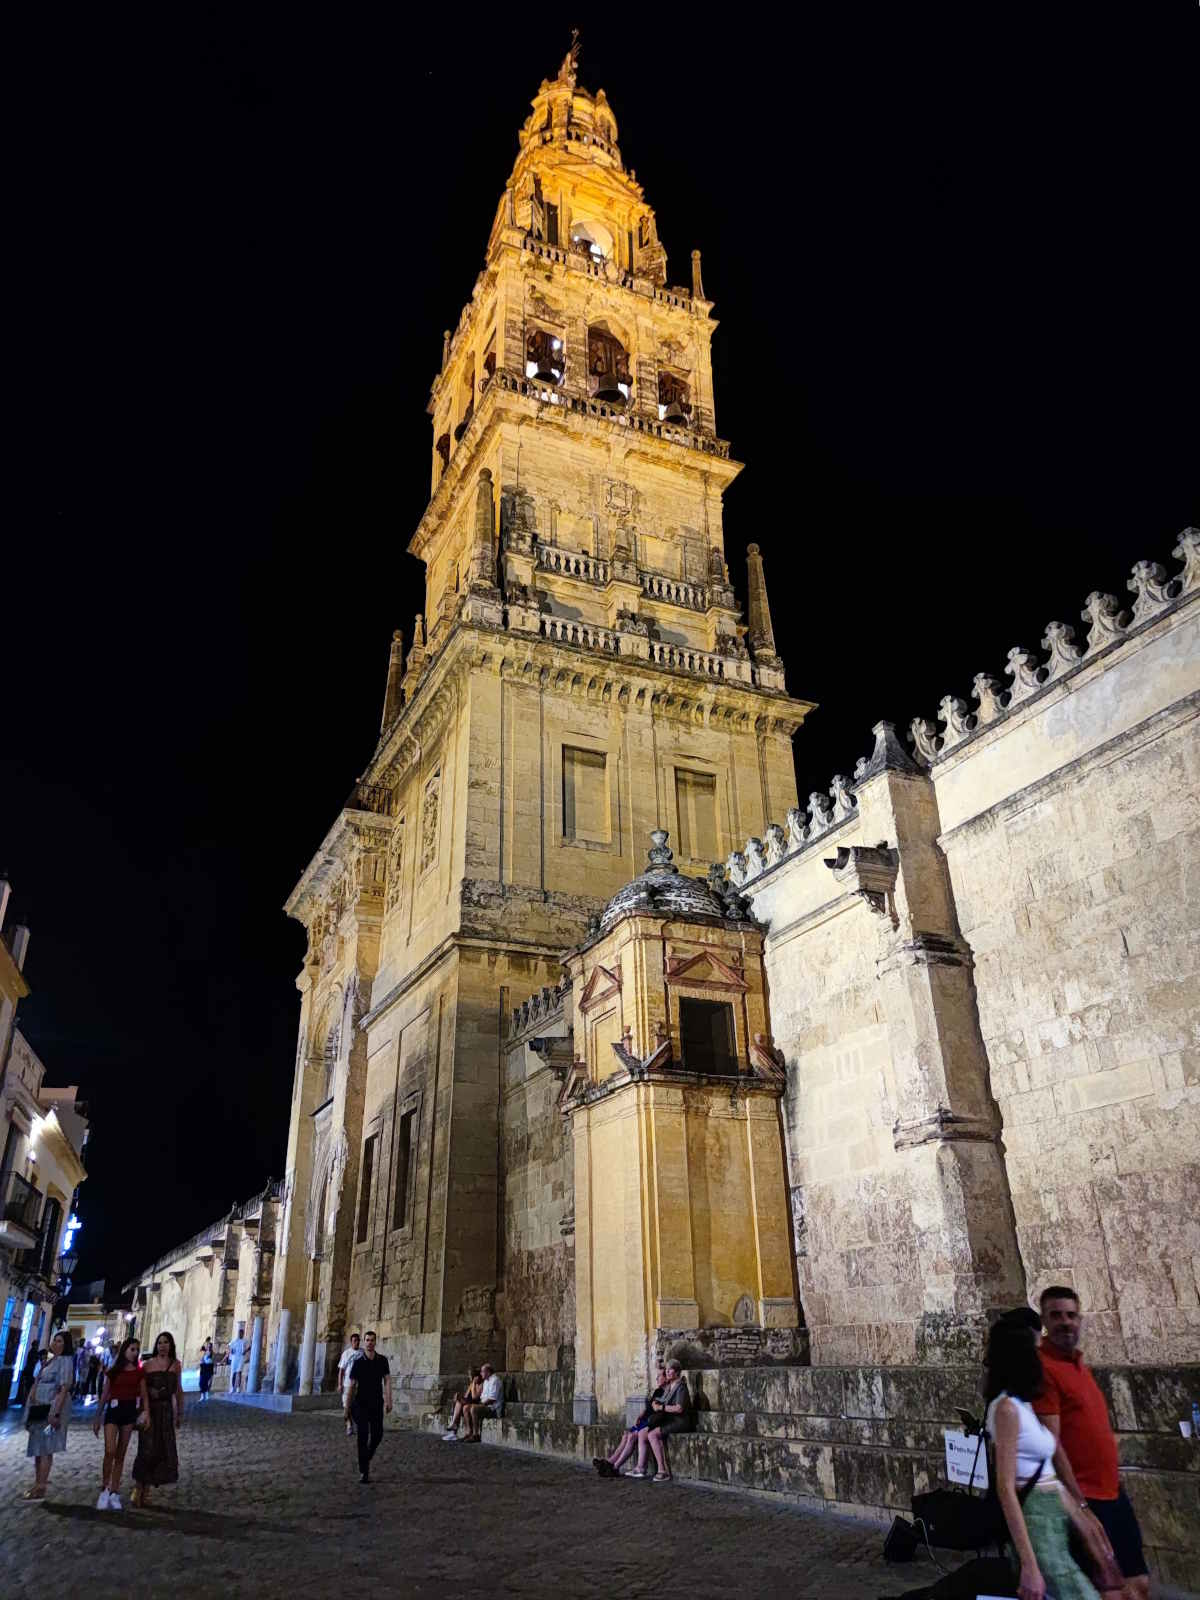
(961, 1451)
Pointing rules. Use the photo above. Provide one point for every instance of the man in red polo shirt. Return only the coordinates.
(1073, 1408)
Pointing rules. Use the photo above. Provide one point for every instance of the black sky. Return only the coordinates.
(954, 261)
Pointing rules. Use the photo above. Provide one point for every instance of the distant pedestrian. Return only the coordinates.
(93, 1373)
(47, 1412)
(33, 1361)
(81, 1372)
(1073, 1408)
(162, 1414)
(237, 1355)
(118, 1415)
(206, 1368)
(348, 1357)
(671, 1413)
(462, 1399)
(369, 1395)
(489, 1404)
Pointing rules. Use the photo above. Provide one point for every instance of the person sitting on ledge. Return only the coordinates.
(674, 1415)
(489, 1404)
(607, 1466)
(461, 1400)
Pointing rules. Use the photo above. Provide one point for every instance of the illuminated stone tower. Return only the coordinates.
(579, 677)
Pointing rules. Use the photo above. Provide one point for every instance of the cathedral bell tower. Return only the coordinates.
(580, 676)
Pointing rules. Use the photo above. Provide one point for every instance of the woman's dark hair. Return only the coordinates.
(1012, 1363)
(123, 1355)
(68, 1343)
(165, 1335)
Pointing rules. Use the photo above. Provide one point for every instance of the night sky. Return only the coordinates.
(953, 259)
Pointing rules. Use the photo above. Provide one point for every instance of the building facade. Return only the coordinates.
(44, 1132)
(580, 676)
(816, 1091)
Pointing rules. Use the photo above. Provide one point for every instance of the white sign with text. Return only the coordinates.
(960, 1458)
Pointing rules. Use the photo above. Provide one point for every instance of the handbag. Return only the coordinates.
(956, 1520)
(36, 1415)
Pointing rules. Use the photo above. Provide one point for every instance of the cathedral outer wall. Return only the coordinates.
(1062, 994)
(1072, 835)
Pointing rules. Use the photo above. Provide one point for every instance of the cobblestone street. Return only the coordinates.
(271, 1506)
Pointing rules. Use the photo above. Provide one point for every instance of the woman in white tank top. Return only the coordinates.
(1030, 1464)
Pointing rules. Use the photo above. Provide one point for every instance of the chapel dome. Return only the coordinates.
(664, 891)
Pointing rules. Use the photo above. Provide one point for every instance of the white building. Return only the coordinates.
(43, 1132)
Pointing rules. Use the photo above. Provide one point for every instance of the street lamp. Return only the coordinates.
(67, 1263)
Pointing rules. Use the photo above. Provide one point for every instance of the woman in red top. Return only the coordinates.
(118, 1410)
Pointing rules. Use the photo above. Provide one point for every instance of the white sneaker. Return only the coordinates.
(105, 1500)
(114, 1502)
(449, 1438)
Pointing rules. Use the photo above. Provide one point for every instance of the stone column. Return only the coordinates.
(308, 1349)
(281, 1351)
(762, 634)
(393, 699)
(947, 1127)
(254, 1376)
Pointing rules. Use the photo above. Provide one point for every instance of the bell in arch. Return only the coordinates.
(544, 357)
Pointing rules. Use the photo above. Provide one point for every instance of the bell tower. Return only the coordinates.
(580, 676)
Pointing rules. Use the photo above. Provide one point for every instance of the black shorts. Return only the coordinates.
(673, 1422)
(1120, 1523)
(120, 1413)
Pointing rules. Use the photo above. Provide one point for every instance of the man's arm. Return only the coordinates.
(387, 1392)
(351, 1388)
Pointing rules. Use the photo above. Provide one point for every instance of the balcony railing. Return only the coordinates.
(549, 394)
(572, 564)
(20, 1203)
(567, 631)
(658, 587)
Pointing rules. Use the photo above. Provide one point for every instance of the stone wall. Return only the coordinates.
(983, 975)
(536, 1306)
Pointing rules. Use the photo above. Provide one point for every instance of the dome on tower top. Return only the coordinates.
(565, 113)
(662, 890)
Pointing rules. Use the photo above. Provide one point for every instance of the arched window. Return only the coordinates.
(609, 377)
(592, 239)
(545, 360)
(674, 399)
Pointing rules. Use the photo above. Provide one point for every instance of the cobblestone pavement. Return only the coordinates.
(271, 1505)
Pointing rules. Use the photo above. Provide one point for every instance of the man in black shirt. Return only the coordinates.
(368, 1395)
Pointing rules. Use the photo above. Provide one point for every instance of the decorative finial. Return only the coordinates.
(570, 66)
(445, 347)
(660, 855)
(697, 281)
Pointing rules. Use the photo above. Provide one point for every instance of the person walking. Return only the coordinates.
(1035, 1485)
(33, 1361)
(118, 1415)
(237, 1354)
(47, 1412)
(368, 1396)
(1073, 1407)
(206, 1368)
(157, 1460)
(347, 1359)
(81, 1372)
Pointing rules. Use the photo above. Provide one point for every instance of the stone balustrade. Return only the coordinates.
(682, 658)
(601, 410)
(657, 586)
(572, 564)
(566, 630)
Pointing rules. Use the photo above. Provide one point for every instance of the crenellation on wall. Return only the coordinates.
(1031, 973)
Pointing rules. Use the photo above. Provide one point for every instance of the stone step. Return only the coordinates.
(837, 1477)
